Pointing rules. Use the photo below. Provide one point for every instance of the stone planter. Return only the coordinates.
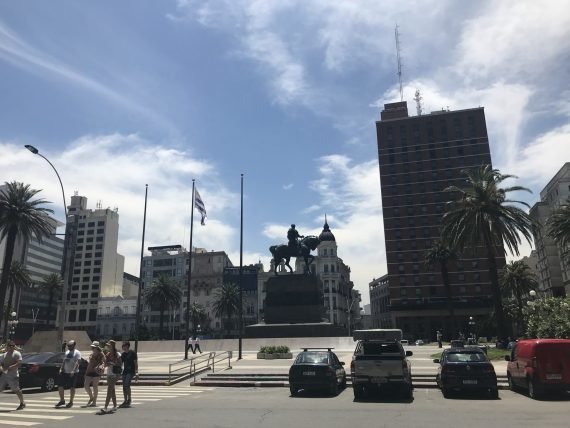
(275, 356)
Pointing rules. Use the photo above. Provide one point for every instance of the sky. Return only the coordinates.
(119, 94)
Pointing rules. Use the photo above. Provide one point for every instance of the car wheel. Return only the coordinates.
(343, 385)
(358, 392)
(334, 388)
(494, 393)
(408, 392)
(533, 389)
(49, 384)
(512, 385)
(294, 391)
(445, 392)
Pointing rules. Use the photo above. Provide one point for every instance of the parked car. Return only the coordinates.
(466, 369)
(317, 369)
(380, 362)
(41, 370)
(419, 342)
(404, 342)
(539, 366)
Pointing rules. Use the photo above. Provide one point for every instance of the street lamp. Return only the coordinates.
(66, 253)
(471, 326)
(12, 325)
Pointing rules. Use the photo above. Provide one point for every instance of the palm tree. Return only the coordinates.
(440, 254)
(482, 215)
(226, 302)
(52, 284)
(197, 315)
(558, 225)
(20, 216)
(518, 279)
(19, 277)
(164, 293)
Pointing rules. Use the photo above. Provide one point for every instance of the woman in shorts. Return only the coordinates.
(113, 363)
(95, 369)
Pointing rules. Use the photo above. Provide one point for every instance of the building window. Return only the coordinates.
(325, 268)
(325, 252)
(401, 268)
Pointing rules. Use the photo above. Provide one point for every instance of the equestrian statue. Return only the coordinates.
(298, 246)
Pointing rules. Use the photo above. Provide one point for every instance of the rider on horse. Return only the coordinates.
(293, 237)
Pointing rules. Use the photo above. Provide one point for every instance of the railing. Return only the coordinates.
(196, 365)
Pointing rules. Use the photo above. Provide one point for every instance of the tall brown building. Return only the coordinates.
(419, 157)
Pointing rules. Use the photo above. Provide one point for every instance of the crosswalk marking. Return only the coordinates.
(40, 408)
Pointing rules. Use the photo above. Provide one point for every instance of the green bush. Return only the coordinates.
(549, 317)
(274, 349)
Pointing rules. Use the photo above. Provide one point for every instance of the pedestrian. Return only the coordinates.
(9, 375)
(439, 339)
(195, 344)
(68, 374)
(95, 368)
(130, 370)
(113, 363)
(64, 346)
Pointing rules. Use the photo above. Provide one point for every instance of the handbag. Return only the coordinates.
(100, 369)
(117, 370)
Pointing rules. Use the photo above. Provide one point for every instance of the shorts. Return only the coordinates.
(113, 377)
(12, 382)
(66, 380)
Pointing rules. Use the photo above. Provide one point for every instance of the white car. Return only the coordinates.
(419, 342)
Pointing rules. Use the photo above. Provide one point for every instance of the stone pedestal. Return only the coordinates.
(293, 299)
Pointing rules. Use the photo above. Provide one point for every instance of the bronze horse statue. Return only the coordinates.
(284, 252)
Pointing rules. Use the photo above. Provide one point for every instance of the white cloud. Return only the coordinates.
(114, 169)
(288, 186)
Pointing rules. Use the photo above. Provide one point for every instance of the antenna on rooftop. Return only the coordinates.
(397, 36)
(99, 204)
(418, 100)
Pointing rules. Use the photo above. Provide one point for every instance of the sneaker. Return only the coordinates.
(102, 411)
(70, 404)
(92, 404)
(61, 403)
(21, 406)
(123, 404)
(114, 409)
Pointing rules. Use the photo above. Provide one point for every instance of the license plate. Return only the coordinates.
(379, 380)
(309, 373)
(469, 382)
(554, 376)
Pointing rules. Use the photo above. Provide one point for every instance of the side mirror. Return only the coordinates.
(409, 353)
(436, 360)
(342, 363)
(507, 358)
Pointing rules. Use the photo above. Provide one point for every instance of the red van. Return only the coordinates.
(540, 366)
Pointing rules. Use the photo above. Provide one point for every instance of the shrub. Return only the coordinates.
(274, 349)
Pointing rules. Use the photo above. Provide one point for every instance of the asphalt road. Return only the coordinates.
(184, 406)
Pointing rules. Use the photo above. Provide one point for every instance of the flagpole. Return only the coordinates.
(138, 316)
(241, 275)
(189, 286)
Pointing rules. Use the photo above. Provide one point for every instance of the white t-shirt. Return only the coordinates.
(9, 360)
(70, 359)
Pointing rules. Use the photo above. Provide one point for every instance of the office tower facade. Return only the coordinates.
(380, 302)
(553, 271)
(419, 157)
(97, 268)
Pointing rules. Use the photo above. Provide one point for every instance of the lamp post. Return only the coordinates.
(66, 254)
(12, 325)
(35, 312)
(471, 326)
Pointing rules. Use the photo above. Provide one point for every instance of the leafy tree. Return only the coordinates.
(558, 228)
(517, 279)
(164, 293)
(440, 254)
(549, 317)
(52, 285)
(20, 216)
(226, 303)
(482, 215)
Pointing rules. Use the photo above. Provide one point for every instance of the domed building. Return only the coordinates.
(341, 300)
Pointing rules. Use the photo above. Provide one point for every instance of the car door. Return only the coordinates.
(515, 367)
(339, 369)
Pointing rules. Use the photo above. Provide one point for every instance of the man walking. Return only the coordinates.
(68, 374)
(9, 372)
(195, 344)
(130, 370)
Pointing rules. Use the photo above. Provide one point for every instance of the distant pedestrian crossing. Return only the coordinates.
(40, 407)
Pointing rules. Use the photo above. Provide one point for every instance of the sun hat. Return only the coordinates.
(95, 344)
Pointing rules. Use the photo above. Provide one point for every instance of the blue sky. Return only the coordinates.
(122, 93)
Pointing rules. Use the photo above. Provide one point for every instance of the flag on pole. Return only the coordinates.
(199, 204)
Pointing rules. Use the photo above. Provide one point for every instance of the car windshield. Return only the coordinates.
(466, 357)
(313, 358)
(37, 358)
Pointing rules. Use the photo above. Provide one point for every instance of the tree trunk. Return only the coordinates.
(10, 244)
(50, 303)
(161, 323)
(447, 285)
(502, 332)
